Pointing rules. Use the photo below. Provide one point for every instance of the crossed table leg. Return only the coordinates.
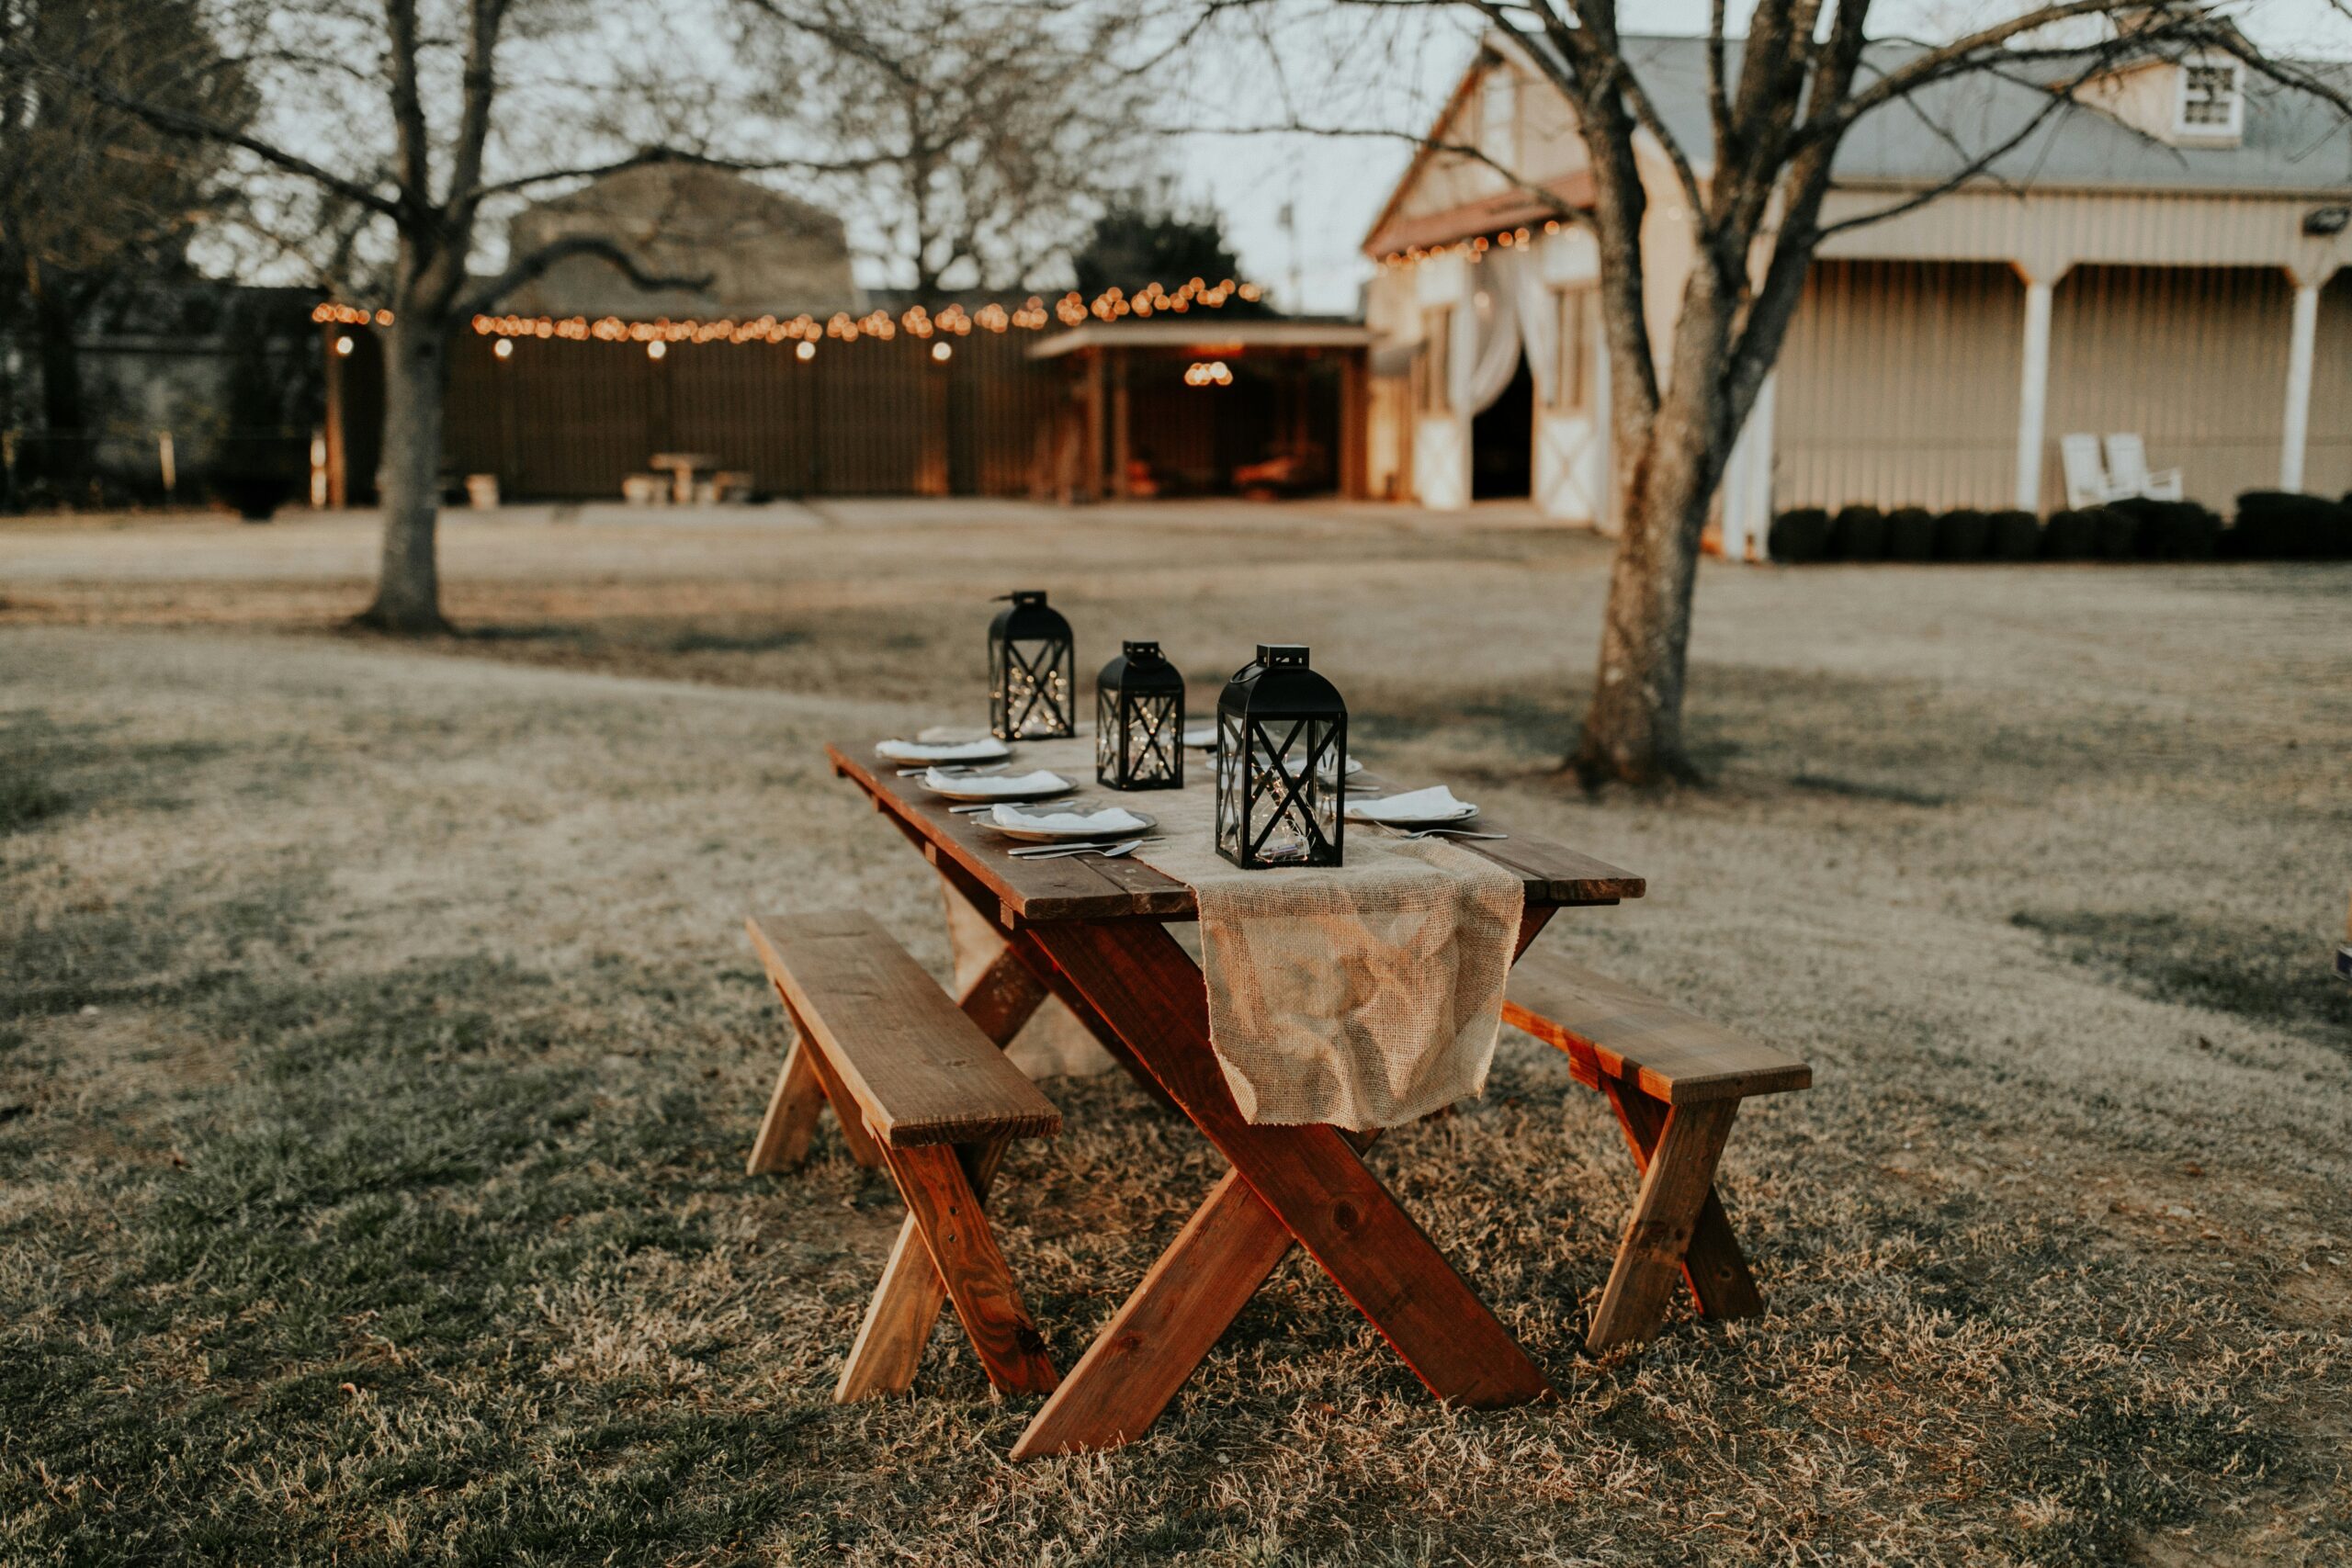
(1303, 1184)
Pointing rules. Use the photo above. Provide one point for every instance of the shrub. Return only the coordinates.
(254, 497)
(2117, 535)
(1858, 533)
(2014, 536)
(2071, 534)
(2173, 530)
(2275, 524)
(1799, 536)
(1963, 534)
(1910, 534)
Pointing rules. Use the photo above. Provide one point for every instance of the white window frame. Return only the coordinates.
(2233, 127)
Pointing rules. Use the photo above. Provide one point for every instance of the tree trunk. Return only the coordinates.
(408, 590)
(1633, 732)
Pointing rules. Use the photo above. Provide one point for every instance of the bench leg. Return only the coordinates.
(1674, 1190)
(890, 1341)
(1714, 1268)
(791, 1121)
(807, 1082)
(946, 1211)
(906, 1303)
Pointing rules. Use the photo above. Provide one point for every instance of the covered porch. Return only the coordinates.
(1263, 409)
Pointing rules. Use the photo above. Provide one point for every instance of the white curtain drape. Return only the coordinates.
(1539, 324)
(1484, 360)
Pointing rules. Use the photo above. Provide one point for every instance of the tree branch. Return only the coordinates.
(537, 262)
(194, 127)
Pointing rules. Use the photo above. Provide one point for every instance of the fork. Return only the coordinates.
(1063, 851)
(1446, 833)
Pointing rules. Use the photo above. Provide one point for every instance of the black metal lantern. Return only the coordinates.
(1032, 676)
(1282, 763)
(1139, 720)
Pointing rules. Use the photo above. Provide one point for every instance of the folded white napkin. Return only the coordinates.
(988, 748)
(1112, 820)
(1419, 806)
(950, 734)
(1039, 783)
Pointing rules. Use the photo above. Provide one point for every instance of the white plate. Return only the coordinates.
(987, 749)
(1026, 786)
(1432, 808)
(1032, 831)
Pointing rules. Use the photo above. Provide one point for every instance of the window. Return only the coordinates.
(2212, 102)
(1572, 386)
(1437, 338)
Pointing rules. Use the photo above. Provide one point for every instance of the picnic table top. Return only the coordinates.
(1088, 887)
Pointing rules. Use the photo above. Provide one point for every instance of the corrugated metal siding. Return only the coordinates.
(1899, 386)
(2193, 359)
(1899, 381)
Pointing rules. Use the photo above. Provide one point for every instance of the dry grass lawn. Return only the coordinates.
(378, 1045)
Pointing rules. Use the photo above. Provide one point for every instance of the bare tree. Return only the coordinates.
(1780, 103)
(986, 136)
(400, 104)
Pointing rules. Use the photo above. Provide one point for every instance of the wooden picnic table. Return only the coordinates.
(683, 467)
(1094, 933)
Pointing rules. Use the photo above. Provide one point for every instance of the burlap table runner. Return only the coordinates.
(1364, 995)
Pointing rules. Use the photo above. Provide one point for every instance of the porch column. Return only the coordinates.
(337, 464)
(2302, 335)
(2033, 392)
(1748, 482)
(1119, 426)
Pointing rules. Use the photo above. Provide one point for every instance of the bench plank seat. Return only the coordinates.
(918, 1067)
(1668, 1054)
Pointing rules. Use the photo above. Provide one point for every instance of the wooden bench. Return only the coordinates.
(1675, 1081)
(921, 1091)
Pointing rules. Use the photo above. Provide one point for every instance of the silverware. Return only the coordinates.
(1446, 833)
(950, 770)
(1062, 852)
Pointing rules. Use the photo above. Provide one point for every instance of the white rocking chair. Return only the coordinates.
(2086, 480)
(2127, 469)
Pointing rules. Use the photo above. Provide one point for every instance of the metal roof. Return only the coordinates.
(2292, 142)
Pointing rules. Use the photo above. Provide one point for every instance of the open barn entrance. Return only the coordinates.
(1502, 442)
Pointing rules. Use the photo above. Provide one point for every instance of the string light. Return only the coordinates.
(943, 352)
(1034, 314)
(504, 348)
(344, 344)
(1208, 373)
(656, 349)
(1473, 249)
(807, 349)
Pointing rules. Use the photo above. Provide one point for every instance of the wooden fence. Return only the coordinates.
(567, 421)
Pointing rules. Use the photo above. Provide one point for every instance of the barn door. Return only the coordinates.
(1571, 434)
